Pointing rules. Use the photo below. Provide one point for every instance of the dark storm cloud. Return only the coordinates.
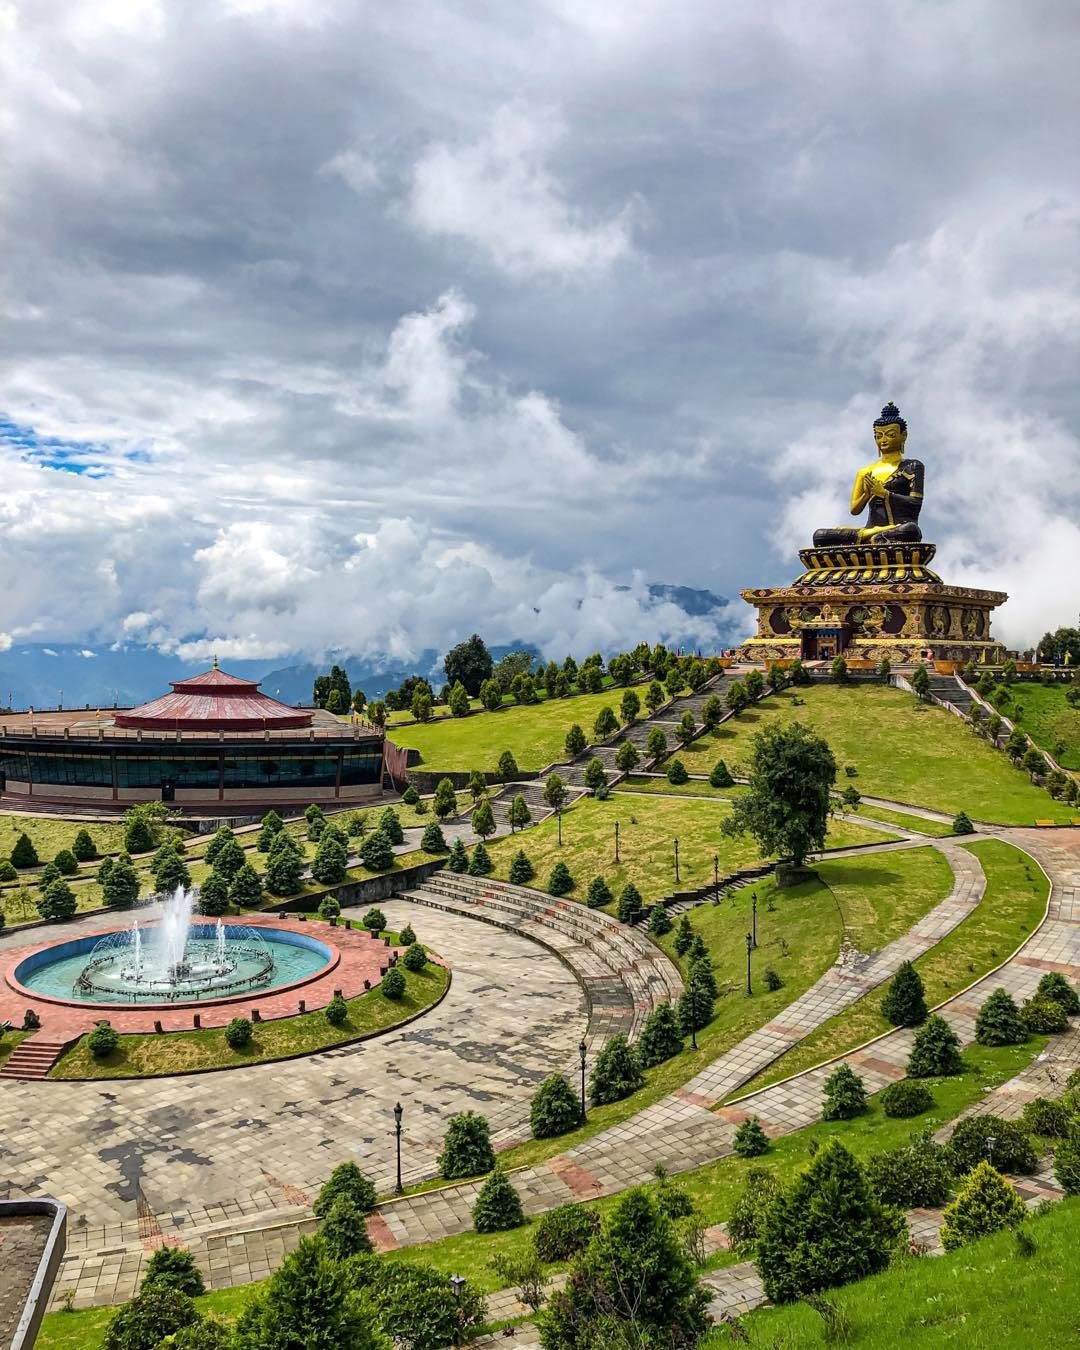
(403, 319)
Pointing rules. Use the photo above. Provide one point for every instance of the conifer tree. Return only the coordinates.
(555, 1108)
(986, 1204)
(936, 1051)
(330, 862)
(999, 1021)
(660, 1038)
(750, 1139)
(498, 1206)
(24, 854)
(376, 852)
(390, 825)
(445, 802)
(560, 882)
(684, 937)
(630, 902)
(246, 889)
(720, 777)
(480, 864)
(659, 921)
(433, 840)
(616, 1073)
(845, 1094)
(483, 820)
(904, 1003)
(458, 861)
(598, 894)
(521, 869)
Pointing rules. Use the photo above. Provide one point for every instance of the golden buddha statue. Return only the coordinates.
(892, 488)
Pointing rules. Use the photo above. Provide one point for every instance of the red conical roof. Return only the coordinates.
(214, 701)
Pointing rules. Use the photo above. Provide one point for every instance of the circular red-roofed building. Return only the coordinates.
(215, 701)
(215, 745)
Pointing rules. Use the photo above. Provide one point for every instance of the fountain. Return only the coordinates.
(176, 958)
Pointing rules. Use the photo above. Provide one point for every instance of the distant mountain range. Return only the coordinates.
(41, 675)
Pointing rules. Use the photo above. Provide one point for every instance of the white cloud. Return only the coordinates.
(87, 653)
(355, 168)
(498, 194)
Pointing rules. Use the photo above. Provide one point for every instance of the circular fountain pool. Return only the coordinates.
(173, 958)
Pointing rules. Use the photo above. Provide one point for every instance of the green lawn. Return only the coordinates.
(49, 835)
(534, 734)
(180, 1052)
(937, 828)
(1014, 903)
(714, 1189)
(697, 787)
(877, 897)
(648, 825)
(903, 750)
(9, 1040)
(982, 1296)
(1048, 720)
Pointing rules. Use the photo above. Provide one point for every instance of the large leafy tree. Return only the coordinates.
(469, 663)
(786, 807)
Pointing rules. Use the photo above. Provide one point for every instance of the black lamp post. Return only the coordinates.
(398, 1113)
(457, 1284)
(676, 862)
(558, 813)
(616, 841)
(753, 911)
(693, 1015)
(749, 949)
(991, 1140)
(716, 878)
(581, 1056)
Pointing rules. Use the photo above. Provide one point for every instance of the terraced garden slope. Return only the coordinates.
(902, 750)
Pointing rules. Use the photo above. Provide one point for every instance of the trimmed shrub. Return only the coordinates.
(1013, 1150)
(555, 1108)
(751, 1205)
(630, 902)
(1049, 1119)
(445, 802)
(1043, 1016)
(222, 836)
(84, 848)
(521, 869)
(8, 871)
(330, 862)
(936, 1052)
(827, 1228)
(498, 1206)
(337, 1011)
(102, 1041)
(214, 896)
(1067, 1161)
(999, 1021)
(772, 980)
(480, 864)
(58, 902)
(329, 908)
(962, 823)
(676, 773)
(616, 1073)
(660, 1038)
(845, 1094)
(750, 1139)
(659, 921)
(410, 796)
(316, 821)
(720, 777)
(415, 958)
(467, 1150)
(598, 894)
(66, 862)
(905, 1098)
(915, 1176)
(144, 1321)
(374, 921)
(564, 1231)
(139, 837)
(407, 937)
(684, 936)
(458, 860)
(284, 873)
(344, 1230)
(433, 840)
(174, 1268)
(376, 852)
(904, 1005)
(1054, 985)
(247, 888)
(238, 1033)
(24, 854)
(560, 882)
(345, 1182)
(49, 873)
(393, 985)
(986, 1204)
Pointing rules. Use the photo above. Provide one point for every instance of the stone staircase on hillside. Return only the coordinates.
(32, 1058)
(679, 902)
(948, 689)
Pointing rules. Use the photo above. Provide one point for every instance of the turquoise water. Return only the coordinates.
(295, 957)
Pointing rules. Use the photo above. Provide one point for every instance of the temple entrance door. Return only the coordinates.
(809, 645)
(168, 792)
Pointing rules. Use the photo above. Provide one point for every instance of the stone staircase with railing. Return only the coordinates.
(679, 902)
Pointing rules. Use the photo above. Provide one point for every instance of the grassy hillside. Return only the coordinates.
(1049, 720)
(648, 827)
(985, 1295)
(903, 750)
(534, 734)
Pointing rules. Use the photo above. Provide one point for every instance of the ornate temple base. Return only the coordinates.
(866, 602)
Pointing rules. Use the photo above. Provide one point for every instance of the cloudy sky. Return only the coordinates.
(363, 325)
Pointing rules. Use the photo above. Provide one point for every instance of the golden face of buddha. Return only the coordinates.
(890, 441)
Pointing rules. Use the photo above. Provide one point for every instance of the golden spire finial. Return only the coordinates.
(215, 666)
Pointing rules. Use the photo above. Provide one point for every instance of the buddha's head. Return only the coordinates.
(890, 432)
